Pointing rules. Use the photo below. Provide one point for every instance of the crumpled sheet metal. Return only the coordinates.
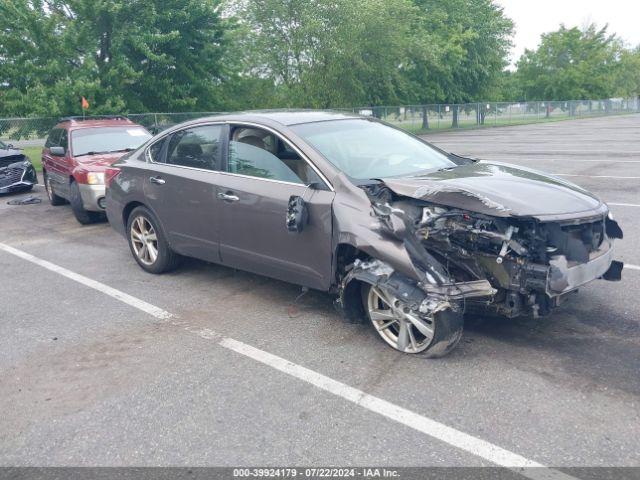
(426, 191)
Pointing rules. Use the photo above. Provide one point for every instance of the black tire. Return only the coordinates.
(83, 216)
(449, 329)
(166, 259)
(447, 324)
(54, 199)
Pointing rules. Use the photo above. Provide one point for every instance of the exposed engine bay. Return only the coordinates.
(474, 262)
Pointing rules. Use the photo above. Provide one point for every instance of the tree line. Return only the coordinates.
(129, 56)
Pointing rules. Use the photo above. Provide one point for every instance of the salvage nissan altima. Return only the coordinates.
(408, 237)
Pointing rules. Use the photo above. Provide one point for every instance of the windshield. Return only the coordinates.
(107, 139)
(364, 149)
(2, 145)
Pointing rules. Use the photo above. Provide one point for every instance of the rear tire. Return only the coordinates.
(445, 328)
(54, 199)
(83, 216)
(148, 243)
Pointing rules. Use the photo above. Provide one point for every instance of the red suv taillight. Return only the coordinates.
(109, 174)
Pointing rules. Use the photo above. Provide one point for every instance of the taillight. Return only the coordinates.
(109, 174)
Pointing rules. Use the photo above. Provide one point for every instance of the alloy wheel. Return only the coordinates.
(144, 240)
(396, 324)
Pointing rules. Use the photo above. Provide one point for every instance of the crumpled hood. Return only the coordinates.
(500, 190)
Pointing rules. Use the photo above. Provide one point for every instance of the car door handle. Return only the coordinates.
(157, 180)
(228, 198)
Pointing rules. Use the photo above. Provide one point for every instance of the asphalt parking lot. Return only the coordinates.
(189, 369)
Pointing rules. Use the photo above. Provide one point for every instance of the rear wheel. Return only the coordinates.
(54, 199)
(407, 332)
(148, 243)
(85, 217)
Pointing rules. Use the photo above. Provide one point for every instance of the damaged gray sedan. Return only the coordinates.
(409, 238)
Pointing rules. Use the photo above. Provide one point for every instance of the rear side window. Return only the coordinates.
(197, 147)
(53, 138)
(155, 151)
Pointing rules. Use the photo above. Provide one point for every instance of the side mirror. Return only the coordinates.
(297, 210)
(297, 214)
(57, 151)
(10, 146)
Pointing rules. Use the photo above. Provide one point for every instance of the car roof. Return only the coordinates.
(74, 123)
(285, 117)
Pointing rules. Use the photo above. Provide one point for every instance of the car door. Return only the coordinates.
(65, 163)
(261, 173)
(181, 188)
(54, 164)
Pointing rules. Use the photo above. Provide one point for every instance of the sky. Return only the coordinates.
(535, 17)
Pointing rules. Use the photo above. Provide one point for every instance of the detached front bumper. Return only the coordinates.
(92, 197)
(564, 277)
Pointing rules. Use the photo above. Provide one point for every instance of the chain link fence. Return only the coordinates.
(25, 132)
(423, 118)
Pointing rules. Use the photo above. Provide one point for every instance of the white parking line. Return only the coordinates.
(578, 160)
(413, 420)
(101, 287)
(592, 176)
(628, 266)
(623, 204)
(494, 156)
(428, 426)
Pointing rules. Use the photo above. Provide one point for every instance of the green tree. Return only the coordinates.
(627, 79)
(122, 55)
(464, 53)
(330, 53)
(571, 64)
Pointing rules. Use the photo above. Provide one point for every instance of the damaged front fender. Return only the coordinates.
(421, 298)
(356, 225)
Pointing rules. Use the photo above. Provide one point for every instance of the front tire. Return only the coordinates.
(83, 216)
(148, 243)
(407, 332)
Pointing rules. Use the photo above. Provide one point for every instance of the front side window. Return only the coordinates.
(365, 149)
(53, 138)
(197, 147)
(64, 139)
(94, 140)
(258, 153)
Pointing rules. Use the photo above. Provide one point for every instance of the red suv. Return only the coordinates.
(76, 155)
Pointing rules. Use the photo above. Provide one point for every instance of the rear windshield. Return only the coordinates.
(90, 141)
(368, 150)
